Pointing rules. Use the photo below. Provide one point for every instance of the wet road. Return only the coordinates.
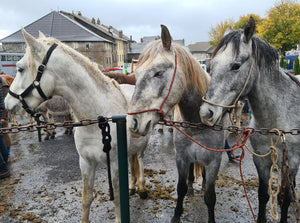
(45, 185)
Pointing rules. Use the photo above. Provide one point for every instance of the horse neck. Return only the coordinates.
(189, 105)
(87, 97)
(273, 97)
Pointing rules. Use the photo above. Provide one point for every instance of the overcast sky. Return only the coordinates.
(186, 19)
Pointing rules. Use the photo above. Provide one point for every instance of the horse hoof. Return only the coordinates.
(52, 137)
(131, 192)
(143, 194)
(160, 130)
(46, 138)
(175, 220)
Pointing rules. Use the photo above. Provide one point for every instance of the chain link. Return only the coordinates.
(232, 128)
(184, 124)
(50, 126)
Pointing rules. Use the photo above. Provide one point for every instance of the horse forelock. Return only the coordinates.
(194, 75)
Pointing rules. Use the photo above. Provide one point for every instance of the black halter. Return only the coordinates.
(35, 83)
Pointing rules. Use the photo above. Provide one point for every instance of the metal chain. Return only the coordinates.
(200, 126)
(232, 128)
(50, 126)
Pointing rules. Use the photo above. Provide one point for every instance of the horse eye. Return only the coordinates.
(20, 69)
(236, 66)
(158, 74)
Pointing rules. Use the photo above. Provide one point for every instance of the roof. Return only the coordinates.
(200, 47)
(58, 26)
(137, 48)
(109, 31)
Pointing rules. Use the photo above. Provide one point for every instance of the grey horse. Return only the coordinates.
(243, 65)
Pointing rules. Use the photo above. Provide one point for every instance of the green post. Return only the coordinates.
(38, 122)
(120, 120)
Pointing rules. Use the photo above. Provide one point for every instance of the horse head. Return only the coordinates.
(32, 85)
(232, 73)
(156, 68)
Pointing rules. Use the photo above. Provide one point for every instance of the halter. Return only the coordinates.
(239, 95)
(35, 83)
(160, 110)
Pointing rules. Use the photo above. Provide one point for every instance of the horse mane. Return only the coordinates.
(91, 67)
(195, 76)
(263, 53)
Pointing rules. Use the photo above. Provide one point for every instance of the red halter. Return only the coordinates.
(160, 110)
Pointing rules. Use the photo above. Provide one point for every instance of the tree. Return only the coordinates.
(282, 63)
(281, 27)
(216, 34)
(297, 66)
(244, 20)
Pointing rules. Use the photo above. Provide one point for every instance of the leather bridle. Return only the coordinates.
(35, 84)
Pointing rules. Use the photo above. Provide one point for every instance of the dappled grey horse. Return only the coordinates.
(243, 65)
(167, 74)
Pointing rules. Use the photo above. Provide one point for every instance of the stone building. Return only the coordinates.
(69, 31)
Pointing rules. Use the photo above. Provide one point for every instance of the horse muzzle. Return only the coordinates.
(210, 115)
(140, 124)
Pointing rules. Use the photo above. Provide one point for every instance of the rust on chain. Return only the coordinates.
(184, 124)
(50, 126)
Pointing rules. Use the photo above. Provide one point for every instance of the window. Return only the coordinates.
(9, 58)
(88, 46)
(3, 58)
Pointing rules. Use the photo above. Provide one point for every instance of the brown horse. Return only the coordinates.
(121, 78)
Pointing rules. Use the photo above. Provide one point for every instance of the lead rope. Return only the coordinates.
(160, 110)
(239, 95)
(106, 139)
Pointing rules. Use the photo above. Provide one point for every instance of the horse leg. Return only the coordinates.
(203, 177)
(287, 196)
(210, 193)
(133, 165)
(263, 169)
(141, 177)
(182, 188)
(68, 130)
(88, 170)
(191, 178)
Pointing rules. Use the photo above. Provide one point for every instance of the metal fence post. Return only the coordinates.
(120, 120)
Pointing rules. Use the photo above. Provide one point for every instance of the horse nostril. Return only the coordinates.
(211, 113)
(148, 126)
(135, 124)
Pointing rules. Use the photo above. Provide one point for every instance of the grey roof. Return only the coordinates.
(137, 48)
(58, 26)
(200, 47)
(114, 34)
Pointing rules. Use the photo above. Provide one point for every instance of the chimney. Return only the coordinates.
(141, 40)
(98, 21)
(121, 34)
(93, 20)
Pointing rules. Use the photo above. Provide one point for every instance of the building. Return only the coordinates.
(201, 50)
(76, 31)
(136, 49)
(119, 40)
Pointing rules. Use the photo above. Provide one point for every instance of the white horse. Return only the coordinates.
(88, 92)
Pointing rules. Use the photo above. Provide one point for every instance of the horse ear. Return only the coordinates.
(166, 37)
(34, 45)
(41, 35)
(249, 29)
